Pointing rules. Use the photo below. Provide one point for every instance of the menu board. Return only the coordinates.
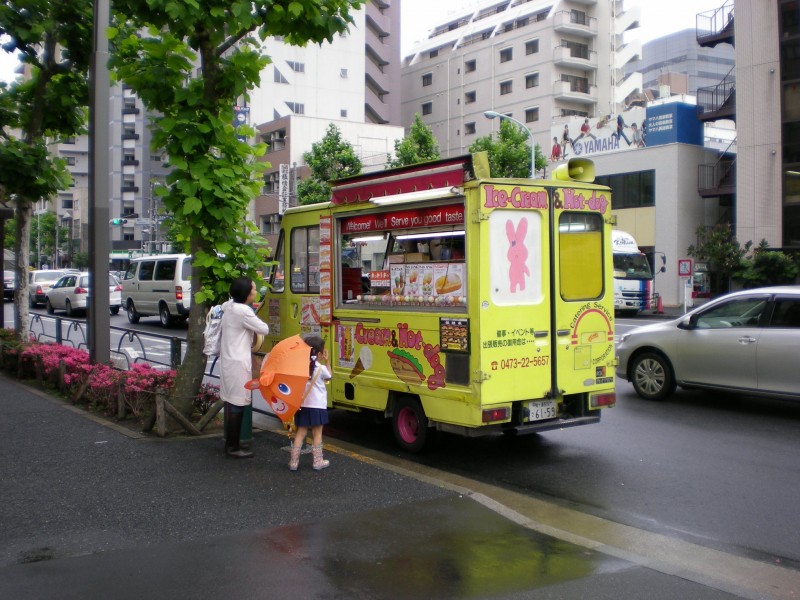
(325, 308)
(421, 284)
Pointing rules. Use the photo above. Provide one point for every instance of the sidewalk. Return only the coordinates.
(89, 512)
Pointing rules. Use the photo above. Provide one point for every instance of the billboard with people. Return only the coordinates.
(632, 129)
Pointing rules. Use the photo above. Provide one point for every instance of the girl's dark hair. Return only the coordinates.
(317, 345)
(240, 289)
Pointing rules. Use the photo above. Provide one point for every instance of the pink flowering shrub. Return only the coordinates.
(139, 384)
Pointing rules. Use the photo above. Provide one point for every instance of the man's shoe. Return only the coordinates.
(239, 453)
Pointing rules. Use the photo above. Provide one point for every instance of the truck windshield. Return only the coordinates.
(632, 266)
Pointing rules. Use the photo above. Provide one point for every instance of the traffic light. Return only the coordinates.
(119, 221)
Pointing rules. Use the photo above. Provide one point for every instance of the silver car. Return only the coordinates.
(38, 284)
(71, 292)
(747, 342)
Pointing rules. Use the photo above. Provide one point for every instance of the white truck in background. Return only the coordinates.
(633, 277)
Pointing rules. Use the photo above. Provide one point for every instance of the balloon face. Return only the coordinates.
(284, 376)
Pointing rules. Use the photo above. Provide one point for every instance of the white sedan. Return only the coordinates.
(71, 293)
(744, 342)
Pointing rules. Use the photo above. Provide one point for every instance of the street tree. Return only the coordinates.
(53, 40)
(46, 238)
(718, 246)
(510, 153)
(418, 146)
(190, 63)
(329, 159)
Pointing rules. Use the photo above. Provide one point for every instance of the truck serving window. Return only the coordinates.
(580, 255)
(304, 265)
(384, 261)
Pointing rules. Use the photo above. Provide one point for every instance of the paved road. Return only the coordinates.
(89, 512)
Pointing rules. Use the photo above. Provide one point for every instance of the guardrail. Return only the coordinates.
(72, 332)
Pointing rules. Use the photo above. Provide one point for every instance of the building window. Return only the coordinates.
(427, 79)
(505, 87)
(277, 76)
(69, 140)
(532, 47)
(532, 80)
(470, 66)
(631, 190)
(71, 161)
(506, 54)
(531, 115)
(128, 237)
(427, 108)
(343, 73)
(297, 108)
(297, 67)
(343, 113)
(66, 203)
(469, 97)
(433, 53)
(469, 128)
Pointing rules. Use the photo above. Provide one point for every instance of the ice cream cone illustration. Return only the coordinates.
(364, 362)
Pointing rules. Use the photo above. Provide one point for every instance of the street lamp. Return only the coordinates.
(490, 114)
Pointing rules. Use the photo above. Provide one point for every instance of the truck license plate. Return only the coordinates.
(542, 409)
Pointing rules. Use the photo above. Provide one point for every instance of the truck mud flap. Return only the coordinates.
(529, 428)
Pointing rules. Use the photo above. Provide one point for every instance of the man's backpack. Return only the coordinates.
(213, 331)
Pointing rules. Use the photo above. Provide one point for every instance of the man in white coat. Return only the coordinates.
(239, 325)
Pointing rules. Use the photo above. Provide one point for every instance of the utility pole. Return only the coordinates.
(99, 316)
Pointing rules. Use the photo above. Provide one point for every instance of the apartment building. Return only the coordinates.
(533, 60)
(351, 82)
(133, 172)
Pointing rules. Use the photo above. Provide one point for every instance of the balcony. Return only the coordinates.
(716, 26)
(575, 58)
(579, 91)
(718, 101)
(717, 179)
(129, 188)
(130, 136)
(575, 23)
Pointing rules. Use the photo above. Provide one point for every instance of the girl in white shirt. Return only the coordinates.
(313, 411)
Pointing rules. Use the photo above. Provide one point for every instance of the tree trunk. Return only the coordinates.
(22, 251)
(192, 369)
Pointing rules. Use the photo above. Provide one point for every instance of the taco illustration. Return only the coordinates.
(405, 366)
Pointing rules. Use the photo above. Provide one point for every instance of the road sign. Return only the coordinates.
(684, 267)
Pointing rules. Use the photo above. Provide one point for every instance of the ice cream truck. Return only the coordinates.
(454, 302)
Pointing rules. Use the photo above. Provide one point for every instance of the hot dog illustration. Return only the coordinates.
(405, 366)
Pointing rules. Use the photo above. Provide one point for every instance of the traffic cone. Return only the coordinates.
(659, 305)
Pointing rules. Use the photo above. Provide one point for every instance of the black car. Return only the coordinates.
(9, 284)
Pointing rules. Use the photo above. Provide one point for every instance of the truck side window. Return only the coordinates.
(580, 255)
(276, 277)
(305, 260)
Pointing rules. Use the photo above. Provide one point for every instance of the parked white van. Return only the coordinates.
(158, 285)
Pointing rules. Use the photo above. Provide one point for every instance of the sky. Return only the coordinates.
(419, 16)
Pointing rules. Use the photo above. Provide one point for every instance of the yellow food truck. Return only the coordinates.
(451, 301)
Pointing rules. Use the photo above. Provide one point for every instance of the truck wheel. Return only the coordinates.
(410, 425)
(651, 375)
(133, 316)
